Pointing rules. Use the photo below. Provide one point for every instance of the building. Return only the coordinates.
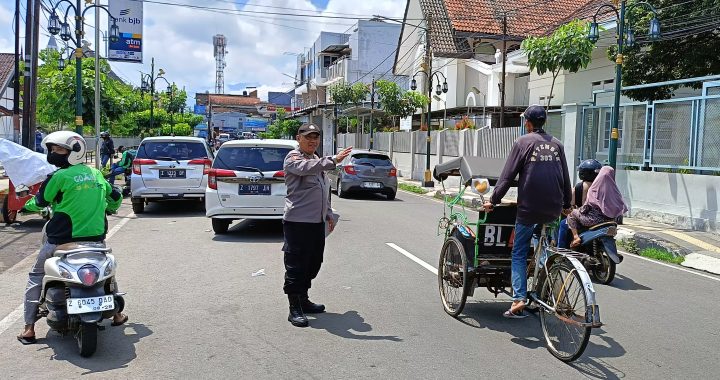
(466, 39)
(7, 96)
(228, 113)
(362, 55)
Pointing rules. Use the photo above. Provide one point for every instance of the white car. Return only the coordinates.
(168, 168)
(247, 181)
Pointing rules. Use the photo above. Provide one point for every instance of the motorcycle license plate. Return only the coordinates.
(90, 304)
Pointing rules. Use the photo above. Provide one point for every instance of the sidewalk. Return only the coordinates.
(701, 250)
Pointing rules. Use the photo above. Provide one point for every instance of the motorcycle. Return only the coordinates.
(598, 242)
(79, 291)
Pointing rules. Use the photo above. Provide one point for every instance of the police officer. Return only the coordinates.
(307, 210)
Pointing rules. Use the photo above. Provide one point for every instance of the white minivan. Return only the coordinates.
(247, 181)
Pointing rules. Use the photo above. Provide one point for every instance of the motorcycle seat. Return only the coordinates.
(602, 225)
(81, 246)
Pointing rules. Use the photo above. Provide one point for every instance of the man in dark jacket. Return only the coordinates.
(544, 192)
(107, 148)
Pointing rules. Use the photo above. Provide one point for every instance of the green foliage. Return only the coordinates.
(342, 93)
(691, 55)
(568, 48)
(282, 127)
(179, 129)
(662, 255)
(412, 188)
(399, 103)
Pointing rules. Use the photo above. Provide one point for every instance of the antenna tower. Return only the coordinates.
(220, 43)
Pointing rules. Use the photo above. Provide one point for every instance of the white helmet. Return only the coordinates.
(69, 140)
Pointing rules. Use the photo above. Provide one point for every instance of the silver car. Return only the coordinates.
(364, 171)
(168, 168)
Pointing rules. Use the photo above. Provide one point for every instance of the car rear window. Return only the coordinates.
(172, 150)
(263, 158)
(372, 159)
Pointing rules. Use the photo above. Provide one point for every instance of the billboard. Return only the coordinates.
(129, 18)
(200, 109)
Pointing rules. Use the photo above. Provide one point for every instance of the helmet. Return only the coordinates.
(70, 141)
(105, 134)
(589, 169)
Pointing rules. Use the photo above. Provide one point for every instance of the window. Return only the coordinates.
(263, 158)
(608, 128)
(170, 151)
(371, 159)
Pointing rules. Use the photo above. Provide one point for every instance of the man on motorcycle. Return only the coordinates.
(544, 191)
(587, 171)
(123, 166)
(79, 197)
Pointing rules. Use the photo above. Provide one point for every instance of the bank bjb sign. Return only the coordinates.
(129, 18)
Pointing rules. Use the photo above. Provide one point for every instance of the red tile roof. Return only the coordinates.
(233, 100)
(7, 68)
(525, 17)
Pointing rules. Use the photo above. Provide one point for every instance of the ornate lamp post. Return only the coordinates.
(624, 36)
(56, 26)
(147, 83)
(438, 90)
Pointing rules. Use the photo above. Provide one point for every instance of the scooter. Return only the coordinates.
(598, 242)
(79, 291)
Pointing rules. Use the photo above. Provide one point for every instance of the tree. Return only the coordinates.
(343, 94)
(688, 47)
(397, 102)
(282, 127)
(568, 48)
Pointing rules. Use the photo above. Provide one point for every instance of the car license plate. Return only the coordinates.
(172, 173)
(250, 189)
(372, 185)
(90, 304)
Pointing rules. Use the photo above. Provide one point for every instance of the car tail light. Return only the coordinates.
(213, 174)
(349, 169)
(88, 275)
(279, 174)
(139, 162)
(393, 172)
(206, 162)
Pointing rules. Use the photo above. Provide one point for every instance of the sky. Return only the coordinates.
(260, 46)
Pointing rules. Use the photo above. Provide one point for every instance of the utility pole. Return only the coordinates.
(502, 78)
(428, 60)
(372, 107)
(335, 120)
(34, 72)
(26, 140)
(16, 83)
(97, 87)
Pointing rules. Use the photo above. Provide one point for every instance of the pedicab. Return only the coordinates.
(476, 253)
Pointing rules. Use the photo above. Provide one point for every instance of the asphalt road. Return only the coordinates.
(196, 311)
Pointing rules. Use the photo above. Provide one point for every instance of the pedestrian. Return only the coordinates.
(307, 213)
(544, 192)
(79, 197)
(107, 148)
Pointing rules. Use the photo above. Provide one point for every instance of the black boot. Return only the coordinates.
(310, 307)
(296, 316)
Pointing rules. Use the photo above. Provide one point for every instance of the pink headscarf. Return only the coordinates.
(605, 195)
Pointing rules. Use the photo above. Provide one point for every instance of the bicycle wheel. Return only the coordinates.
(565, 335)
(453, 276)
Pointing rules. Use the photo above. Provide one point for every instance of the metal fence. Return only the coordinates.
(401, 142)
(381, 141)
(681, 133)
(495, 143)
(451, 143)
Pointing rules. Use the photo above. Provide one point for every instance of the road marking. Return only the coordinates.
(693, 241)
(413, 258)
(14, 315)
(670, 266)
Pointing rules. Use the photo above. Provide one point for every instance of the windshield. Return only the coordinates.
(371, 159)
(241, 158)
(172, 150)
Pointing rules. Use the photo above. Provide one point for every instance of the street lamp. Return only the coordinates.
(56, 26)
(477, 91)
(438, 90)
(147, 83)
(623, 36)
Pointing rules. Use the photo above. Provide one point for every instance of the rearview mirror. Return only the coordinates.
(480, 186)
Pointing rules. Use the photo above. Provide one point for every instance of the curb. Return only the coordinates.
(646, 240)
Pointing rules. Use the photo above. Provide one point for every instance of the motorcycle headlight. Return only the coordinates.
(64, 272)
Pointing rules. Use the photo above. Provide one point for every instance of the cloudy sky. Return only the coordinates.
(259, 45)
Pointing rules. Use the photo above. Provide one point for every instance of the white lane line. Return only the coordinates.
(413, 258)
(14, 315)
(670, 266)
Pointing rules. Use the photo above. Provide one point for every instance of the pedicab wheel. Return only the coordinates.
(453, 276)
(604, 271)
(8, 216)
(565, 335)
(87, 339)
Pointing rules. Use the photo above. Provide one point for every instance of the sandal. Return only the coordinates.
(26, 339)
(514, 315)
(122, 322)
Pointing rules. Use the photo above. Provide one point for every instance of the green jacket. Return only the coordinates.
(79, 196)
(127, 159)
